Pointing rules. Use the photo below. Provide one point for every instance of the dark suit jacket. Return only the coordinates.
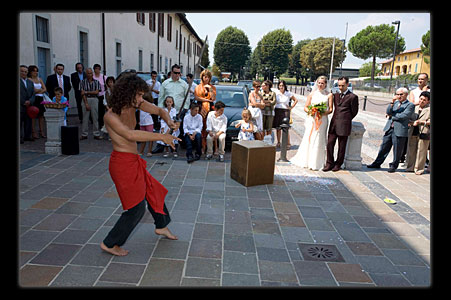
(345, 110)
(52, 83)
(26, 93)
(76, 83)
(400, 114)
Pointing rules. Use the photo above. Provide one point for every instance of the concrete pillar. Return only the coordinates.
(55, 119)
(353, 158)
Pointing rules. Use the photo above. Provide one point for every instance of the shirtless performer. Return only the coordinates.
(134, 184)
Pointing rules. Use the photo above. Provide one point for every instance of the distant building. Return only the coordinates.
(350, 73)
(117, 41)
(407, 62)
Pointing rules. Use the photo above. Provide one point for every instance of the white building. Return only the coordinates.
(117, 41)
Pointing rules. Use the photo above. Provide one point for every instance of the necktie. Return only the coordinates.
(60, 82)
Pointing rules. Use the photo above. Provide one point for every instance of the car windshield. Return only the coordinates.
(231, 98)
(144, 76)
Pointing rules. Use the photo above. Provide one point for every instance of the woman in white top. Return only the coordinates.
(312, 151)
(256, 105)
(39, 89)
(282, 109)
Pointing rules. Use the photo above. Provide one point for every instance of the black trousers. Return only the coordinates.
(120, 232)
(389, 140)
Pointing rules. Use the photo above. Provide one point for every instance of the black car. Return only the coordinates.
(236, 99)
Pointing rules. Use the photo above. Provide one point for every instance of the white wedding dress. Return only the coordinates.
(312, 151)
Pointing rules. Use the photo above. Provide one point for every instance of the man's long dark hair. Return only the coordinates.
(124, 91)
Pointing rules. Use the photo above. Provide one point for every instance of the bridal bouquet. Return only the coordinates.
(317, 109)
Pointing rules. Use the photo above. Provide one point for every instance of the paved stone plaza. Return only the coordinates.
(308, 228)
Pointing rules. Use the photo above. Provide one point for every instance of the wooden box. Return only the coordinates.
(253, 162)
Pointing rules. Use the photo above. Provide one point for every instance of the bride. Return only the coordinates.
(312, 151)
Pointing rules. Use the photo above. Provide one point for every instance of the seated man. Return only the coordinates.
(216, 129)
(192, 127)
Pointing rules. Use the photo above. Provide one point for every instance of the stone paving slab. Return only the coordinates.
(229, 235)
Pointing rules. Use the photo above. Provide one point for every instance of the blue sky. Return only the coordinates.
(310, 25)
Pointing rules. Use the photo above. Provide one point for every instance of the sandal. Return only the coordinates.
(288, 146)
(278, 145)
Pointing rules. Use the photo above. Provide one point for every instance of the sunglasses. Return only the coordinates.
(176, 73)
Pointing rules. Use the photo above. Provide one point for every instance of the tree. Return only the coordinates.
(316, 55)
(376, 41)
(205, 61)
(366, 68)
(295, 68)
(275, 46)
(426, 46)
(231, 50)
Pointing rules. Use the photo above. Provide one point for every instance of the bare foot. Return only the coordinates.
(116, 250)
(166, 232)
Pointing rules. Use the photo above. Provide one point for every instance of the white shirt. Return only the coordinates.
(145, 118)
(155, 87)
(191, 93)
(176, 89)
(216, 124)
(192, 124)
(283, 100)
(416, 94)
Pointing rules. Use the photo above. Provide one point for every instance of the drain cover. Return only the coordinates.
(320, 252)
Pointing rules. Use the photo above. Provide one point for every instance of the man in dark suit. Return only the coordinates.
(396, 129)
(346, 106)
(26, 93)
(58, 80)
(75, 78)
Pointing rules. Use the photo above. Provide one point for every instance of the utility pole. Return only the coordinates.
(394, 51)
(332, 61)
(343, 52)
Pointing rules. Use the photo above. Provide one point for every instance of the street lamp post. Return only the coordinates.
(394, 51)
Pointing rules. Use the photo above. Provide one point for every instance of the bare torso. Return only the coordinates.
(127, 118)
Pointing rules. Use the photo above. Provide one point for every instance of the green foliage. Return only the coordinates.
(426, 46)
(275, 46)
(231, 49)
(376, 41)
(316, 55)
(365, 69)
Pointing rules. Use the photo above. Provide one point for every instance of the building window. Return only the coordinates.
(118, 58)
(140, 60)
(416, 68)
(169, 28)
(160, 64)
(140, 18)
(84, 48)
(184, 44)
(161, 24)
(152, 22)
(42, 29)
(151, 62)
(118, 49)
(166, 67)
(176, 39)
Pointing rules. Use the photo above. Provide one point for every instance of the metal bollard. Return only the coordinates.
(285, 126)
(364, 102)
